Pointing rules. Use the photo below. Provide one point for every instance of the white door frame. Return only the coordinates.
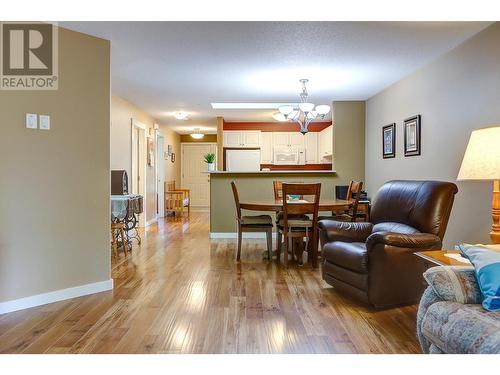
(136, 125)
(160, 166)
(191, 144)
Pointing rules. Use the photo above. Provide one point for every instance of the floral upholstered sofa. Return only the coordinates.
(450, 316)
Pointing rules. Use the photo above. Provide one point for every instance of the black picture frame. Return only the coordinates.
(172, 157)
(412, 132)
(389, 141)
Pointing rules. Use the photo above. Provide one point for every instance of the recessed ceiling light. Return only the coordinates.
(181, 115)
(248, 105)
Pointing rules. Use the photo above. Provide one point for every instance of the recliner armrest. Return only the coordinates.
(331, 230)
(413, 241)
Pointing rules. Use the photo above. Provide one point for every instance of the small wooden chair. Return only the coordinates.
(120, 227)
(292, 227)
(176, 199)
(255, 223)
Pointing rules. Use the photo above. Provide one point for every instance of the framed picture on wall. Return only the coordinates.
(412, 136)
(389, 141)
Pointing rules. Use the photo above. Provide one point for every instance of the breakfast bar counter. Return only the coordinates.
(258, 186)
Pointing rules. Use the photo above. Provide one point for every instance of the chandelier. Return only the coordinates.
(305, 113)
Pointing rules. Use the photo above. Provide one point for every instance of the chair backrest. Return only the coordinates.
(278, 192)
(170, 185)
(236, 200)
(310, 191)
(353, 194)
(423, 205)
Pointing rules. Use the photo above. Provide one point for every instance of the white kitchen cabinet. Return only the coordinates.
(266, 148)
(297, 139)
(247, 138)
(326, 145)
(251, 138)
(311, 140)
(288, 139)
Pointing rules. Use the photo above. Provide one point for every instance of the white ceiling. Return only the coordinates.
(164, 67)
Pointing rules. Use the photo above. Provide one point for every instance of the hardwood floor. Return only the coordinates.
(181, 292)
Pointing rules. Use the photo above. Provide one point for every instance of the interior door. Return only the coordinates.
(194, 172)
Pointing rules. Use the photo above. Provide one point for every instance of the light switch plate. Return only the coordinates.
(44, 122)
(31, 121)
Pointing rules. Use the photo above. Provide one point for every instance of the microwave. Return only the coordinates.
(289, 156)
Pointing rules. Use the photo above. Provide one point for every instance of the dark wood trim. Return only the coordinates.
(275, 126)
(305, 167)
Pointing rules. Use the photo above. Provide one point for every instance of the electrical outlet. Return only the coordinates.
(44, 122)
(31, 121)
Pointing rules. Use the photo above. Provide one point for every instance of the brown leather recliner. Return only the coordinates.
(374, 261)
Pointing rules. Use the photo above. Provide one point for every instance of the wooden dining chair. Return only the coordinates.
(176, 199)
(291, 227)
(255, 223)
(353, 194)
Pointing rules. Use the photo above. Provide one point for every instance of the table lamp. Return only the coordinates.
(482, 162)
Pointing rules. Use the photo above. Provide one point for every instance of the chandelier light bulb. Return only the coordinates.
(306, 107)
(279, 116)
(323, 109)
(286, 109)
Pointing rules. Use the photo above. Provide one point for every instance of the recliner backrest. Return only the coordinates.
(424, 205)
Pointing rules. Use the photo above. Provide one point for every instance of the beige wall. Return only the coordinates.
(455, 94)
(122, 113)
(348, 156)
(172, 170)
(54, 216)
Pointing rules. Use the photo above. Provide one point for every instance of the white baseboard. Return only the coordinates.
(55, 296)
(221, 235)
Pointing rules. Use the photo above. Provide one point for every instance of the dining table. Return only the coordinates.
(276, 205)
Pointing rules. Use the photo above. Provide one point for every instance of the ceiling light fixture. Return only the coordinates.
(279, 117)
(196, 134)
(181, 115)
(306, 112)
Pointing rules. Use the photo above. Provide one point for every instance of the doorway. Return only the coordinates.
(194, 174)
(138, 167)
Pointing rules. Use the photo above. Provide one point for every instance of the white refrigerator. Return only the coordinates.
(242, 160)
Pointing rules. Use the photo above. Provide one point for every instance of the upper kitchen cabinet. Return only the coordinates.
(247, 138)
(289, 139)
(266, 148)
(325, 143)
(311, 148)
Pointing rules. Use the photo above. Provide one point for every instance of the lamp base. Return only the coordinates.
(495, 213)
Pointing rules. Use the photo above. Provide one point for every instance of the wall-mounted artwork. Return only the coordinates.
(412, 136)
(172, 157)
(389, 141)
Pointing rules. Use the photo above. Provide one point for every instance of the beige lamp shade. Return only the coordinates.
(482, 156)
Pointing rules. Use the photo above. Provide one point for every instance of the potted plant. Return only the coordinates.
(210, 160)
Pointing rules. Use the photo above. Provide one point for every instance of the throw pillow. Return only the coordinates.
(486, 263)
